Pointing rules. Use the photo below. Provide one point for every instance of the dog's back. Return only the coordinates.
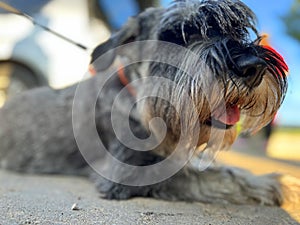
(35, 127)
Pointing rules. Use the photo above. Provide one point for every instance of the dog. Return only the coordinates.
(172, 87)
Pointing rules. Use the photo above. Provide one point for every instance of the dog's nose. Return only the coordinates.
(251, 69)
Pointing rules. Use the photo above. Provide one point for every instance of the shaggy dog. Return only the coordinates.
(172, 87)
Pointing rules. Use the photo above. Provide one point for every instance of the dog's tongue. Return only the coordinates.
(231, 117)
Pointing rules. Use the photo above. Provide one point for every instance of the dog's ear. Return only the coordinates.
(127, 34)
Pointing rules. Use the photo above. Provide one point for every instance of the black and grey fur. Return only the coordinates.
(36, 133)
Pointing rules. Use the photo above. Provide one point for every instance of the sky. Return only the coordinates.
(269, 13)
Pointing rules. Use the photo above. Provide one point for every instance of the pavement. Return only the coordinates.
(52, 199)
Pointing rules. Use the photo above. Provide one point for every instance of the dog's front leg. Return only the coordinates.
(222, 184)
(231, 185)
(214, 185)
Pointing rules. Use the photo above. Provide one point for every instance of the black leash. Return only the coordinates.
(13, 10)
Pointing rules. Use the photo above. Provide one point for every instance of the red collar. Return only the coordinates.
(124, 80)
(122, 77)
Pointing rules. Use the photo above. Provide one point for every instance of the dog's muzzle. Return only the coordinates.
(250, 69)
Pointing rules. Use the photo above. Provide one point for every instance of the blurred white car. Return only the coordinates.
(31, 56)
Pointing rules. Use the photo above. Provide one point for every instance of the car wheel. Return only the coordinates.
(14, 79)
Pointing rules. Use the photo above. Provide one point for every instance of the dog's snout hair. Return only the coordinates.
(239, 73)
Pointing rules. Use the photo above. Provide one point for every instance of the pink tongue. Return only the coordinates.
(231, 117)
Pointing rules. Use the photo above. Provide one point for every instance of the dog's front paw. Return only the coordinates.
(264, 190)
(242, 187)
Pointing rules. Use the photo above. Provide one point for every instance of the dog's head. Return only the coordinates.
(234, 82)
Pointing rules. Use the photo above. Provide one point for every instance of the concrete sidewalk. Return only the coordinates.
(32, 199)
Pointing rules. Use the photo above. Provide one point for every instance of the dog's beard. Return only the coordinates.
(223, 101)
(224, 96)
